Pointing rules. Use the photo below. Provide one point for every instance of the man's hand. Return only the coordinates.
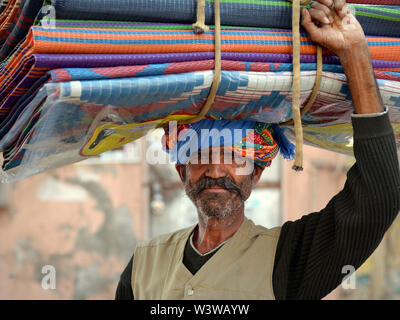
(331, 24)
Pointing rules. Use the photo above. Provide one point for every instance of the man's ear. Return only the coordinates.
(258, 170)
(181, 171)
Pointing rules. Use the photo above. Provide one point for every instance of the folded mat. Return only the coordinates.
(9, 13)
(132, 41)
(376, 20)
(3, 5)
(114, 40)
(23, 20)
(104, 28)
(151, 40)
(85, 118)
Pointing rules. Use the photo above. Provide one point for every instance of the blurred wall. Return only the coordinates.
(84, 220)
(310, 190)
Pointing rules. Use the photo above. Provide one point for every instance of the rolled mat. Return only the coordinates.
(75, 122)
(54, 61)
(95, 41)
(376, 20)
(33, 68)
(35, 77)
(73, 74)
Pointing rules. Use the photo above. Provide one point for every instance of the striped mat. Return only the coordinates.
(34, 77)
(128, 41)
(19, 15)
(73, 74)
(32, 73)
(379, 20)
(3, 5)
(19, 28)
(73, 108)
(263, 44)
(8, 14)
(132, 41)
(376, 2)
(31, 70)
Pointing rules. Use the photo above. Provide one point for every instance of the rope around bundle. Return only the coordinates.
(298, 113)
(199, 28)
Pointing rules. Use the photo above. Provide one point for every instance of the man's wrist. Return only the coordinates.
(354, 54)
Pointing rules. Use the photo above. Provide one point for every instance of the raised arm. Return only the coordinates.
(313, 250)
(340, 32)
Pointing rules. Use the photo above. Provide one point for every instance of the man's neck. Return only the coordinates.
(210, 232)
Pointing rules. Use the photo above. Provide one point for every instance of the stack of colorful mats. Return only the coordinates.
(104, 74)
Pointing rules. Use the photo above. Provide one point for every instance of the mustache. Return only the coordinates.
(223, 182)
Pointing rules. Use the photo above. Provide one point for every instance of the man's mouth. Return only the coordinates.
(215, 189)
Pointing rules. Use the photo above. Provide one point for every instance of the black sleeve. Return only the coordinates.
(312, 251)
(124, 289)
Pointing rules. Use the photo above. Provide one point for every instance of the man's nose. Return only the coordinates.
(215, 171)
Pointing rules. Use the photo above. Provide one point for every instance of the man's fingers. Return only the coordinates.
(321, 13)
(327, 3)
(319, 16)
(339, 4)
(309, 25)
(341, 8)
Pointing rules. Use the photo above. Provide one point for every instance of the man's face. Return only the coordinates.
(216, 189)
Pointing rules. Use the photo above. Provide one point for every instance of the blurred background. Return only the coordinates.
(85, 220)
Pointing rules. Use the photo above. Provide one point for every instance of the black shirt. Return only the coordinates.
(312, 251)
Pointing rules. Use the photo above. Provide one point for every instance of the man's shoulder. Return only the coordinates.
(167, 239)
(273, 232)
(260, 230)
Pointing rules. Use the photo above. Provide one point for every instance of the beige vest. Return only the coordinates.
(241, 269)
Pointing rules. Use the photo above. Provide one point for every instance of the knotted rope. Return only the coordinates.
(297, 115)
(200, 25)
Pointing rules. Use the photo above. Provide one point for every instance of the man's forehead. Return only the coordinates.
(215, 153)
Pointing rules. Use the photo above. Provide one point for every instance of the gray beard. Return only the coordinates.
(222, 210)
(215, 206)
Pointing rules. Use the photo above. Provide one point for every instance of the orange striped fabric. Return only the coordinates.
(97, 41)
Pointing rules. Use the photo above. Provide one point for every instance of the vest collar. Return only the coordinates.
(229, 246)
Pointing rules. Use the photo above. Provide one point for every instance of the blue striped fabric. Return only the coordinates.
(375, 20)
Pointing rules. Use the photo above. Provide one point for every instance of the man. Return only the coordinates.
(225, 256)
